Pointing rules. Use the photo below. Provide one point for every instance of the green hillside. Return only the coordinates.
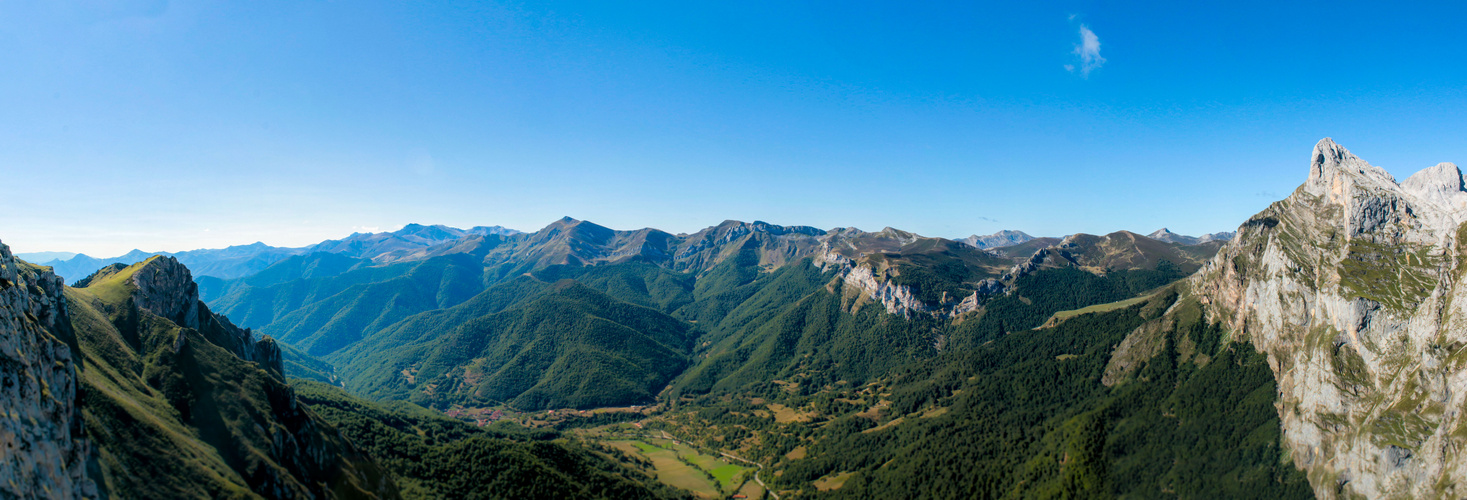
(1025, 416)
(196, 412)
(527, 343)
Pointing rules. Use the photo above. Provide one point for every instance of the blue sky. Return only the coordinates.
(180, 125)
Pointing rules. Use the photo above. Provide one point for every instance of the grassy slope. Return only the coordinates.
(175, 416)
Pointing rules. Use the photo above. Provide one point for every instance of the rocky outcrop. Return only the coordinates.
(1353, 288)
(166, 288)
(44, 454)
(900, 299)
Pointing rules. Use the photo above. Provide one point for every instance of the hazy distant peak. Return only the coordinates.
(1218, 236)
(1168, 236)
(488, 230)
(1004, 238)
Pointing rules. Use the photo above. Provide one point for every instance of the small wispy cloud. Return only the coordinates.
(988, 219)
(1088, 52)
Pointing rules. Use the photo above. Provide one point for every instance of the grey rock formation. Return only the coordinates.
(1353, 288)
(897, 299)
(44, 454)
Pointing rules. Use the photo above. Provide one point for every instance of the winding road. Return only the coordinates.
(756, 474)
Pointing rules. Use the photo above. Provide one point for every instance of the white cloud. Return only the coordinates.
(1088, 50)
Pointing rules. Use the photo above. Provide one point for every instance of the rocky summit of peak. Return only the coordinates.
(165, 287)
(1441, 185)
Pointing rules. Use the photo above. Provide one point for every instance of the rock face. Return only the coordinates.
(40, 425)
(166, 288)
(1353, 288)
(897, 299)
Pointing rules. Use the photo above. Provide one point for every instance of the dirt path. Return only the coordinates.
(756, 474)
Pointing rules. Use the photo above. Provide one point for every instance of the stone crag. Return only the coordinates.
(131, 388)
(1352, 286)
(40, 427)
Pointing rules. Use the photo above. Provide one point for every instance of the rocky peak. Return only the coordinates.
(1168, 236)
(1352, 287)
(1441, 185)
(166, 288)
(1334, 169)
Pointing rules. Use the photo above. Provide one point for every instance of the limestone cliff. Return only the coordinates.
(1353, 288)
(40, 426)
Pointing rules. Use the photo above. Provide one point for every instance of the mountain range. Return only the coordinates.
(1315, 352)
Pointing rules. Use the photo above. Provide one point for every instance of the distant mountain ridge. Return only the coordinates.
(1168, 236)
(243, 260)
(44, 256)
(1004, 238)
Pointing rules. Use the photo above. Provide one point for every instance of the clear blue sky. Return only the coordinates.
(180, 125)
